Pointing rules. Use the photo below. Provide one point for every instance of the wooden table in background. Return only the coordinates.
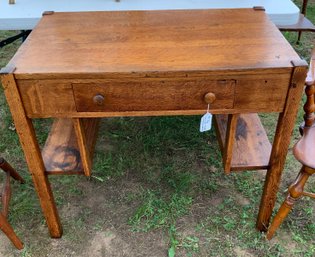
(79, 67)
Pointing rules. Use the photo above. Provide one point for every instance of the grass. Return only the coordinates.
(157, 189)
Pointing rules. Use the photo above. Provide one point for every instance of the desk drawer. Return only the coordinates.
(152, 95)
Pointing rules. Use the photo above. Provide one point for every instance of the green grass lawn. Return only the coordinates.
(157, 189)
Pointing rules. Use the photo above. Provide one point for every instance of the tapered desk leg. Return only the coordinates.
(25, 130)
(280, 146)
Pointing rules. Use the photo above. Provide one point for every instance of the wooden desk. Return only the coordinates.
(82, 66)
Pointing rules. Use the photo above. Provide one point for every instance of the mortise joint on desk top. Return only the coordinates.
(259, 8)
(48, 13)
(299, 63)
(7, 70)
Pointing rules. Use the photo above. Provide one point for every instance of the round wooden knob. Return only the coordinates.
(209, 98)
(98, 99)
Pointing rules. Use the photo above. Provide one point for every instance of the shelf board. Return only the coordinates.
(61, 153)
(303, 24)
(251, 150)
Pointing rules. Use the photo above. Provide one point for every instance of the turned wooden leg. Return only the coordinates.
(7, 229)
(281, 215)
(295, 192)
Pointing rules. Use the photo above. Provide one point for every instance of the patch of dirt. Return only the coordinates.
(116, 243)
(219, 196)
(114, 237)
(4, 244)
(241, 200)
(239, 252)
(285, 239)
(101, 245)
(260, 174)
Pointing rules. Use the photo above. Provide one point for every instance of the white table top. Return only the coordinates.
(25, 14)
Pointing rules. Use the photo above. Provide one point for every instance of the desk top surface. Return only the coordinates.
(134, 42)
(25, 14)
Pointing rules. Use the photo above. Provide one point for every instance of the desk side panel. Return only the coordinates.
(262, 93)
(46, 97)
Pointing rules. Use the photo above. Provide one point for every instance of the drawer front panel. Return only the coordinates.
(152, 95)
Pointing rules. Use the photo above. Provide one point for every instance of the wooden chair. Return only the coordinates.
(5, 198)
(303, 151)
(303, 23)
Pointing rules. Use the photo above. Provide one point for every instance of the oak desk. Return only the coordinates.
(78, 67)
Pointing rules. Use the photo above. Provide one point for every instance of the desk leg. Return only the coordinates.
(25, 130)
(280, 147)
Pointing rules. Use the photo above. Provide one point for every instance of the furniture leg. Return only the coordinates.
(281, 143)
(295, 192)
(303, 11)
(6, 195)
(281, 215)
(8, 168)
(8, 230)
(25, 130)
(229, 142)
(299, 37)
(86, 133)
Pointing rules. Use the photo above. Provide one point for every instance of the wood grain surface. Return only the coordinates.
(27, 136)
(235, 92)
(154, 95)
(281, 143)
(244, 146)
(149, 63)
(150, 42)
(61, 151)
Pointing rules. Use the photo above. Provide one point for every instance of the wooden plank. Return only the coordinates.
(252, 147)
(60, 172)
(61, 152)
(251, 150)
(70, 145)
